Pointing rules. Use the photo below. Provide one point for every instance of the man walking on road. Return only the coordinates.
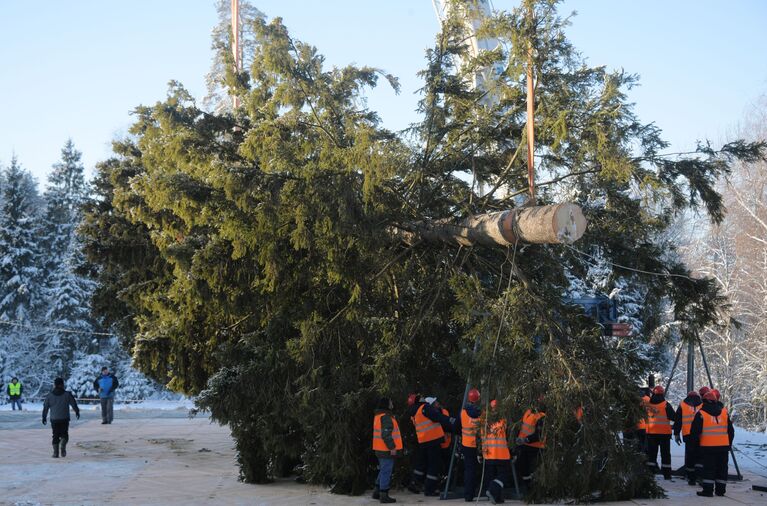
(58, 402)
(15, 389)
(105, 385)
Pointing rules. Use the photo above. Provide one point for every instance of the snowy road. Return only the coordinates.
(165, 458)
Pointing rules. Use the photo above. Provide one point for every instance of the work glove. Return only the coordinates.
(677, 439)
(44, 420)
(521, 440)
(77, 415)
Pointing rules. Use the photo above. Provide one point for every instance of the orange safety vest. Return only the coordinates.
(494, 445)
(579, 414)
(688, 415)
(448, 436)
(714, 432)
(529, 421)
(378, 441)
(425, 429)
(642, 424)
(469, 427)
(657, 421)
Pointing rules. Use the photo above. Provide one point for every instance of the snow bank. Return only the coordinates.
(185, 404)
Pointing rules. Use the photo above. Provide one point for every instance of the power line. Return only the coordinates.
(33, 326)
(661, 274)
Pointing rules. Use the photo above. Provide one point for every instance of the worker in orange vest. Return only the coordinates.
(495, 452)
(660, 416)
(387, 444)
(682, 423)
(470, 420)
(428, 422)
(531, 442)
(713, 432)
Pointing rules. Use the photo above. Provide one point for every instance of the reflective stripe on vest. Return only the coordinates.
(378, 442)
(657, 421)
(448, 436)
(426, 430)
(469, 428)
(714, 432)
(14, 389)
(642, 425)
(688, 415)
(494, 445)
(529, 421)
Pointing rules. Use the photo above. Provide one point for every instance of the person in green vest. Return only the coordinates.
(15, 389)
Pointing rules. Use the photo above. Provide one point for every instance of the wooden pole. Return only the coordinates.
(235, 4)
(530, 107)
(553, 224)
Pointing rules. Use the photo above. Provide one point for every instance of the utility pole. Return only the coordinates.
(530, 103)
(236, 52)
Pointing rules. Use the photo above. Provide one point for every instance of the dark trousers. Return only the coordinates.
(526, 462)
(496, 476)
(60, 430)
(107, 409)
(692, 463)
(469, 472)
(662, 442)
(428, 465)
(637, 438)
(15, 401)
(715, 463)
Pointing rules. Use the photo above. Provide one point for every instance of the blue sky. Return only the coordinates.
(77, 68)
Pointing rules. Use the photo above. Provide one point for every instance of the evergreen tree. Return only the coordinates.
(18, 225)
(253, 257)
(67, 293)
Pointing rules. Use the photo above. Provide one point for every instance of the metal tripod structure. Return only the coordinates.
(691, 380)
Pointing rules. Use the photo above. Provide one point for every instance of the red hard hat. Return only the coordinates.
(710, 396)
(693, 393)
(716, 393)
(658, 390)
(473, 395)
(702, 391)
(411, 399)
(493, 404)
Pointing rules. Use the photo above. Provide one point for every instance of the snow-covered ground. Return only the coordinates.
(185, 403)
(751, 452)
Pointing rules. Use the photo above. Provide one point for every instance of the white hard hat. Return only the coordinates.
(430, 400)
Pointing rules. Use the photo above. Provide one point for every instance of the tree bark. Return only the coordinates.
(554, 224)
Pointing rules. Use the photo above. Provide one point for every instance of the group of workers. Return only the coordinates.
(483, 439)
(702, 422)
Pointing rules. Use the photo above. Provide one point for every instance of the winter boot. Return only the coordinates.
(376, 492)
(705, 493)
(63, 445)
(55, 451)
(384, 497)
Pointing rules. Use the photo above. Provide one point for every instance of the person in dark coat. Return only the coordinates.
(712, 432)
(684, 417)
(58, 402)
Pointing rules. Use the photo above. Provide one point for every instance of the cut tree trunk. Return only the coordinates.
(554, 224)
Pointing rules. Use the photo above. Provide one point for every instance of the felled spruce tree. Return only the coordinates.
(253, 256)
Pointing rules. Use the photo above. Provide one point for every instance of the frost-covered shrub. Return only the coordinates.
(85, 369)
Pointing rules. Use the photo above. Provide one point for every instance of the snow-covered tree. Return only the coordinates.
(19, 272)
